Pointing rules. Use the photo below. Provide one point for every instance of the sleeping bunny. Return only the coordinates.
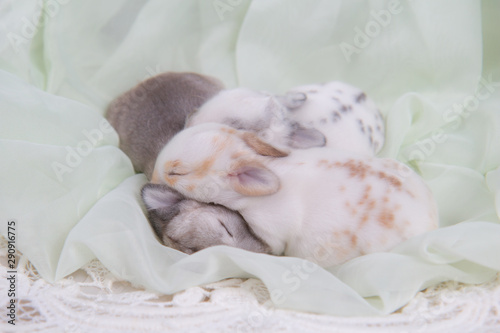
(146, 118)
(262, 113)
(325, 205)
(189, 226)
(334, 114)
(344, 114)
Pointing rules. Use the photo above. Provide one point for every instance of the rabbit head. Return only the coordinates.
(190, 226)
(262, 113)
(213, 163)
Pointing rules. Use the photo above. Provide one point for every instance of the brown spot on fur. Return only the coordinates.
(386, 218)
(204, 168)
(342, 188)
(168, 167)
(228, 130)
(237, 154)
(390, 179)
(170, 180)
(354, 240)
(261, 147)
(190, 188)
(365, 196)
(360, 169)
(364, 219)
(356, 168)
(171, 164)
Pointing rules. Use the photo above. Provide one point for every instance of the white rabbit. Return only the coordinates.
(259, 112)
(324, 205)
(146, 117)
(343, 113)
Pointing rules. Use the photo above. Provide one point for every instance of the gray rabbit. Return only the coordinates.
(146, 118)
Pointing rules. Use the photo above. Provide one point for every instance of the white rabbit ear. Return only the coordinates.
(261, 147)
(303, 138)
(159, 196)
(253, 179)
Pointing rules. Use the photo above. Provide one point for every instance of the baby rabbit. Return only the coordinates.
(189, 226)
(325, 205)
(343, 113)
(261, 113)
(146, 118)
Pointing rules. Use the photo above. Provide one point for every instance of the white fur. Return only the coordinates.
(344, 114)
(190, 226)
(325, 205)
(259, 112)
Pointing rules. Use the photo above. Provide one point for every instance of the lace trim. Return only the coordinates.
(93, 300)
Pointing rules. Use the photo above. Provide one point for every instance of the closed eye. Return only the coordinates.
(177, 173)
(222, 224)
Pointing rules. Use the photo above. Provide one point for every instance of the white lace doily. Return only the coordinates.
(93, 300)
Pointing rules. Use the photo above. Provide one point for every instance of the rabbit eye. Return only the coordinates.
(222, 224)
(178, 172)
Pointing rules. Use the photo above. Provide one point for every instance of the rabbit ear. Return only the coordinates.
(293, 99)
(303, 138)
(162, 204)
(253, 179)
(261, 147)
(159, 196)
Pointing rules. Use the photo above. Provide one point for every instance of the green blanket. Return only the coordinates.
(432, 66)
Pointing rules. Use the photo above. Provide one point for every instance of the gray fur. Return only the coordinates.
(190, 226)
(157, 109)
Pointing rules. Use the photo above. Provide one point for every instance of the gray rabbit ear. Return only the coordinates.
(162, 204)
(303, 138)
(159, 196)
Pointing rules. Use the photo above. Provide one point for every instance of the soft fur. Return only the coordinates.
(146, 118)
(333, 114)
(262, 113)
(190, 226)
(325, 205)
(344, 114)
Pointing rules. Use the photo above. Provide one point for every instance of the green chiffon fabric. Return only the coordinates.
(433, 67)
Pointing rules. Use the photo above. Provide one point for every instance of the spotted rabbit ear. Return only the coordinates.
(261, 147)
